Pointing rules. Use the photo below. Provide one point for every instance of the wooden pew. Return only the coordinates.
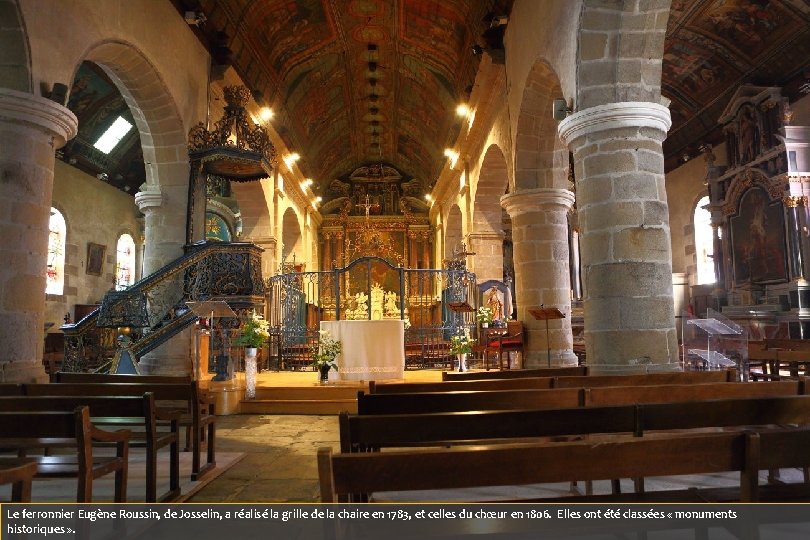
(79, 378)
(574, 381)
(187, 394)
(514, 373)
(343, 475)
(11, 389)
(121, 411)
(561, 398)
(521, 383)
(430, 402)
(648, 379)
(29, 429)
(73, 378)
(20, 477)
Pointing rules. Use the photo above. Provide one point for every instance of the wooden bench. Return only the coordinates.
(119, 411)
(375, 387)
(21, 430)
(198, 413)
(79, 378)
(343, 476)
(514, 373)
(562, 398)
(576, 381)
(11, 389)
(362, 433)
(20, 477)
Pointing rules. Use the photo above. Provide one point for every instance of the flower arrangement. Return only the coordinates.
(461, 344)
(484, 315)
(326, 351)
(254, 333)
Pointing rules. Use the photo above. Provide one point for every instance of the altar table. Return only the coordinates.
(372, 350)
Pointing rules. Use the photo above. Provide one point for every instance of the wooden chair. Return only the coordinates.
(21, 430)
(20, 477)
(118, 411)
(503, 340)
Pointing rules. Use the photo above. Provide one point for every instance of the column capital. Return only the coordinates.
(39, 113)
(149, 199)
(524, 201)
(632, 114)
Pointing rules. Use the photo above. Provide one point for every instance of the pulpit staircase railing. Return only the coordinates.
(207, 271)
(371, 288)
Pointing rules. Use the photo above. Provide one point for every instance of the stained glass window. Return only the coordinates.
(704, 243)
(55, 272)
(124, 262)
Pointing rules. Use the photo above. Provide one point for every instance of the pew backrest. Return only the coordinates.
(561, 398)
(368, 432)
(342, 475)
(514, 373)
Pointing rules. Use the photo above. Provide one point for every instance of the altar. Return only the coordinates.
(372, 350)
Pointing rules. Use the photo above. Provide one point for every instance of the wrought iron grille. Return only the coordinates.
(371, 288)
(208, 271)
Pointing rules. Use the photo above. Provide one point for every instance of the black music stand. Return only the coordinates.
(546, 314)
(210, 309)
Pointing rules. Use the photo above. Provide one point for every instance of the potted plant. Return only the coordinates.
(254, 333)
(324, 355)
(461, 345)
(484, 316)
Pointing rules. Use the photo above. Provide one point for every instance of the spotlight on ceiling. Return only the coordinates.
(266, 113)
(306, 183)
(290, 159)
(463, 110)
(452, 155)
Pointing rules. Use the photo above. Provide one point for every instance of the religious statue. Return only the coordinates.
(391, 307)
(494, 304)
(362, 305)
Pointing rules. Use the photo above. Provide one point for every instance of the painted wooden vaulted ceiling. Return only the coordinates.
(356, 82)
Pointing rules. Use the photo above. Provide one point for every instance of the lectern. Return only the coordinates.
(210, 309)
(546, 314)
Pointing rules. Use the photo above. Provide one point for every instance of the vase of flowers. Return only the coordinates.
(254, 333)
(324, 355)
(484, 316)
(461, 345)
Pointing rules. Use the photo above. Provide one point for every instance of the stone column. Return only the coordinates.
(540, 240)
(488, 249)
(31, 129)
(624, 223)
(268, 244)
(173, 357)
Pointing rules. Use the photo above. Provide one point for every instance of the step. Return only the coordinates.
(298, 406)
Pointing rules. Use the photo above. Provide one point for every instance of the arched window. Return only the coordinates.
(55, 276)
(704, 243)
(124, 262)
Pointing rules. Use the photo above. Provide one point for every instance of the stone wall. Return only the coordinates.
(94, 212)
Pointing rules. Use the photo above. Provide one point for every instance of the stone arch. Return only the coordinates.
(541, 158)
(292, 237)
(453, 231)
(487, 230)
(15, 68)
(620, 52)
(156, 115)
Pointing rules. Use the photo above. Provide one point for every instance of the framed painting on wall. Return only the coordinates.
(758, 239)
(95, 259)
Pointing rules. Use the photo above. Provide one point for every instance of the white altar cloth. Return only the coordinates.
(372, 350)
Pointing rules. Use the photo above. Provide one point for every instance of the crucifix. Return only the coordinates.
(367, 205)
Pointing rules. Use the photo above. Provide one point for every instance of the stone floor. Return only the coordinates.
(280, 461)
